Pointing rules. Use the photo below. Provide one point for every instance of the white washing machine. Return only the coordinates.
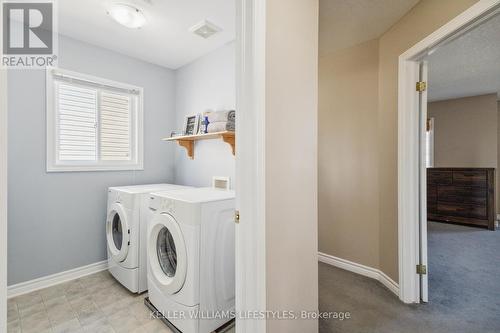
(191, 257)
(126, 228)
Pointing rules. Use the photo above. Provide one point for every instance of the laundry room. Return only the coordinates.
(121, 170)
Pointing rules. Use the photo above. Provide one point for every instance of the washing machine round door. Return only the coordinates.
(167, 253)
(117, 233)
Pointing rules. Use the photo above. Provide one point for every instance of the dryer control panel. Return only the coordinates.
(167, 205)
(161, 205)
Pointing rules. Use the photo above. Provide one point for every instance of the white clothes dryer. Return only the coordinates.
(191, 257)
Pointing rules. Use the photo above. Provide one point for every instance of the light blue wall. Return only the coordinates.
(207, 83)
(56, 220)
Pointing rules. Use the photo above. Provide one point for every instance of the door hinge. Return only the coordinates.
(236, 216)
(421, 86)
(421, 269)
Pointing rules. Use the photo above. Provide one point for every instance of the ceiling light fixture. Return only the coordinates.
(127, 15)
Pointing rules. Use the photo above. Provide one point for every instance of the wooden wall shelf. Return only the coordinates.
(187, 141)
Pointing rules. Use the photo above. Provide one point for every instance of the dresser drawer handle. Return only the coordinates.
(471, 174)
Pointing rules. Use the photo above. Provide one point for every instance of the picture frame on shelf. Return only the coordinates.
(191, 124)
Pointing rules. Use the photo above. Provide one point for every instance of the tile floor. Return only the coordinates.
(96, 303)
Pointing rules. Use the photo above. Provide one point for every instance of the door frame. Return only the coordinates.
(3, 193)
(409, 207)
(3, 198)
(250, 164)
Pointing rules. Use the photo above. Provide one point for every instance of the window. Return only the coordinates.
(429, 143)
(92, 124)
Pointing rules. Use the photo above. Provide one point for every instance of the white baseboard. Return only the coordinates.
(360, 269)
(51, 280)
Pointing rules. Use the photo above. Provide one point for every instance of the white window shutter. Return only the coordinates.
(115, 123)
(93, 124)
(76, 123)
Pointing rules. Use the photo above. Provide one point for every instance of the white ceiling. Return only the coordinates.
(344, 23)
(165, 40)
(467, 66)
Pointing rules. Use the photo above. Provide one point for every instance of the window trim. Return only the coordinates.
(137, 132)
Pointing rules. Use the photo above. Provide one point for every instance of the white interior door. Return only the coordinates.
(424, 287)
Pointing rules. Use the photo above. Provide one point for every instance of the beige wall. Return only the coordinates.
(348, 154)
(291, 161)
(465, 132)
(420, 21)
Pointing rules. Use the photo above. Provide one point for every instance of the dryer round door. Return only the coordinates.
(167, 253)
(117, 233)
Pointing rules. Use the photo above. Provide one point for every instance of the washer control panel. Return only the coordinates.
(167, 205)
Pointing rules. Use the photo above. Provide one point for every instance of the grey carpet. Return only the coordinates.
(464, 289)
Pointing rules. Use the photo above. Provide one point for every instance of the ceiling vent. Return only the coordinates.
(205, 29)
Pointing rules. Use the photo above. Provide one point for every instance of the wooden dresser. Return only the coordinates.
(462, 195)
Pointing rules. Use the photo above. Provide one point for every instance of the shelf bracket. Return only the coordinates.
(230, 139)
(189, 145)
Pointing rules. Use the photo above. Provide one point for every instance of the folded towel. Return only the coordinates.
(219, 116)
(219, 126)
(216, 116)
